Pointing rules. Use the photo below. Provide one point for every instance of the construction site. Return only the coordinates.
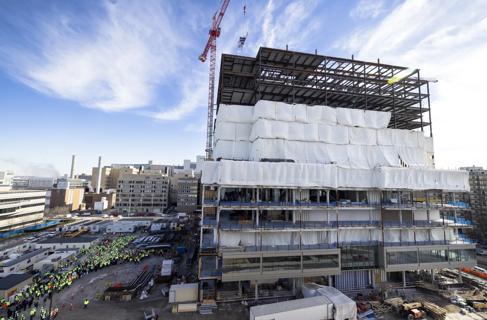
(320, 199)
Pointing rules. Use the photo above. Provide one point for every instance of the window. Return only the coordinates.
(431, 256)
(281, 263)
(320, 261)
(460, 255)
(403, 257)
(359, 257)
(241, 265)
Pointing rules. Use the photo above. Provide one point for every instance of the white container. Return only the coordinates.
(186, 292)
(314, 308)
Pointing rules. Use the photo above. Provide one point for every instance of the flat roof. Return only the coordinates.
(80, 239)
(13, 280)
(289, 305)
(11, 262)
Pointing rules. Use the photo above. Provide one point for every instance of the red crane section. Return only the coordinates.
(211, 47)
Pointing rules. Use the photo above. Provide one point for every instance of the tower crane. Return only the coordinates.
(214, 33)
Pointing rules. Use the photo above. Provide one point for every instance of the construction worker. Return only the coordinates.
(32, 313)
(85, 303)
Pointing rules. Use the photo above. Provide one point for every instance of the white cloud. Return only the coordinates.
(447, 41)
(113, 63)
(368, 9)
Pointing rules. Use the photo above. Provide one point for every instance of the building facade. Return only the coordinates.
(31, 182)
(321, 173)
(21, 208)
(477, 199)
(187, 191)
(142, 191)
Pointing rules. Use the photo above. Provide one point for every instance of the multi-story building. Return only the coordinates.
(21, 208)
(323, 171)
(477, 198)
(32, 182)
(6, 178)
(187, 189)
(109, 178)
(68, 194)
(142, 191)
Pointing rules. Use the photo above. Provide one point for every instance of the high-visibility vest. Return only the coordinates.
(33, 312)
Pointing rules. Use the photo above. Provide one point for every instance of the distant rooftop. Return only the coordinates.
(13, 279)
(11, 262)
(81, 239)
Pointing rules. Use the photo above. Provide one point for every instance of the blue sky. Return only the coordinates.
(121, 79)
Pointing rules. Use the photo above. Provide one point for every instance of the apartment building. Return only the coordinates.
(142, 190)
(323, 170)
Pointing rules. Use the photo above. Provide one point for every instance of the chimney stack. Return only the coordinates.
(73, 160)
(98, 181)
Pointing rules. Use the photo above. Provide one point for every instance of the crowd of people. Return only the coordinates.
(33, 299)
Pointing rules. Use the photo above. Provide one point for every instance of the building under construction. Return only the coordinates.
(323, 171)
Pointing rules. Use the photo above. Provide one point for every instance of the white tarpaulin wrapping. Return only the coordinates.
(354, 178)
(235, 113)
(235, 150)
(253, 173)
(233, 131)
(377, 119)
(351, 117)
(333, 134)
(362, 136)
(345, 308)
(285, 174)
(421, 179)
(351, 235)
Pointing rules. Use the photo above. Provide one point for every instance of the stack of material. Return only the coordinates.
(434, 310)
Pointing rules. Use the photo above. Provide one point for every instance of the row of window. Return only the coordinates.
(430, 256)
(280, 263)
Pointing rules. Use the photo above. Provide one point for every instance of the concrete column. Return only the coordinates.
(404, 279)
(256, 290)
(330, 281)
(328, 197)
(257, 214)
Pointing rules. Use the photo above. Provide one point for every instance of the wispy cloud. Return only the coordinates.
(367, 9)
(447, 41)
(113, 63)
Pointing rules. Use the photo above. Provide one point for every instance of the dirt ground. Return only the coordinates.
(91, 286)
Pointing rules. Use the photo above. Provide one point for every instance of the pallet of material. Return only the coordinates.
(435, 311)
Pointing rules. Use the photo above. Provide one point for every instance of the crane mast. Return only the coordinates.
(210, 48)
